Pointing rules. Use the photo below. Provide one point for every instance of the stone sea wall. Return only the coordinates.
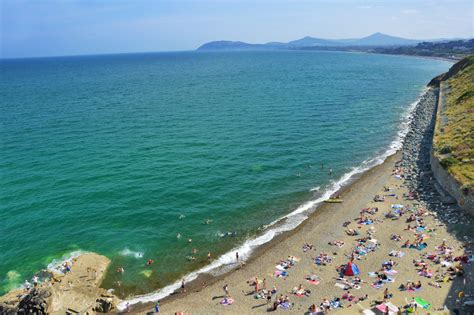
(448, 187)
(465, 199)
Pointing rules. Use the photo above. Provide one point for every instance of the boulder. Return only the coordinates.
(104, 305)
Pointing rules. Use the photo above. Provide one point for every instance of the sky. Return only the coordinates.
(37, 28)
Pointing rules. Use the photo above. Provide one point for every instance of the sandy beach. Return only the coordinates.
(393, 180)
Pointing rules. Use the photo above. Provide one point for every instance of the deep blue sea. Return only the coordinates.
(118, 154)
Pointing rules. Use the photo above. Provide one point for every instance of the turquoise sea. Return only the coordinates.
(106, 153)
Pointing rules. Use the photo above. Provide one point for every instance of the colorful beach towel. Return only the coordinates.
(285, 305)
(376, 286)
(227, 301)
(423, 303)
(279, 273)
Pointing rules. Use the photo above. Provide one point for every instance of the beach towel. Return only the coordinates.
(382, 307)
(315, 282)
(391, 272)
(227, 301)
(280, 267)
(279, 273)
(423, 303)
(396, 253)
(372, 274)
(421, 228)
(340, 285)
(376, 286)
(419, 247)
(427, 274)
(285, 305)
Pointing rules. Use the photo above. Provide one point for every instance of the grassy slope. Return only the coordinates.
(454, 142)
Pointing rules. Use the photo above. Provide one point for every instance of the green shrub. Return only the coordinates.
(445, 149)
(447, 162)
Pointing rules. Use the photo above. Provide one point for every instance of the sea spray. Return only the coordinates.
(130, 253)
(57, 265)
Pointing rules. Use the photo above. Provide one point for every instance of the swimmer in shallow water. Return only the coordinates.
(178, 236)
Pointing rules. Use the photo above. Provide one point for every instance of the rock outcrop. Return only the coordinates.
(75, 292)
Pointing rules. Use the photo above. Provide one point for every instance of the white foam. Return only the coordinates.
(130, 253)
(57, 265)
(291, 220)
(317, 188)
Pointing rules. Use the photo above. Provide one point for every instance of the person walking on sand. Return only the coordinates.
(157, 308)
(226, 289)
(264, 284)
(183, 289)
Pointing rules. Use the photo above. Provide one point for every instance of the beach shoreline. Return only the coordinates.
(321, 212)
(313, 207)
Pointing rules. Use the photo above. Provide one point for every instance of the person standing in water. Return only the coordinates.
(330, 172)
(237, 256)
(183, 289)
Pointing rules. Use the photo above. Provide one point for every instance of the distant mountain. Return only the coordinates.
(311, 41)
(377, 39)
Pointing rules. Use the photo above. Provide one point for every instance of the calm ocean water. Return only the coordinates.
(105, 153)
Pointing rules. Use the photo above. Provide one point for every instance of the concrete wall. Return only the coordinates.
(447, 183)
(451, 186)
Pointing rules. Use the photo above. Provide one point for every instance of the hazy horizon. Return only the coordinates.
(61, 28)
